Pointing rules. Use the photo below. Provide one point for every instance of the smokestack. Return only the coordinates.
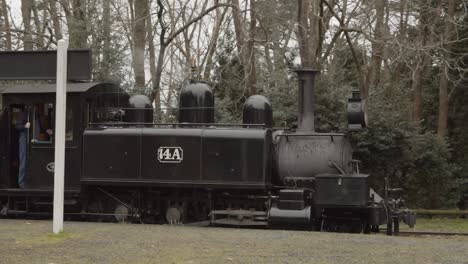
(306, 97)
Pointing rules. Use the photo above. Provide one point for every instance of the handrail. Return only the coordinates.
(117, 124)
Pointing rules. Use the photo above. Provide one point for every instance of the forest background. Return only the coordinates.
(408, 58)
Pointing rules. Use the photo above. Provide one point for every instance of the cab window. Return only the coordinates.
(44, 122)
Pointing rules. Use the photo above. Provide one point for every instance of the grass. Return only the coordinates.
(60, 236)
(82, 242)
(459, 225)
(49, 238)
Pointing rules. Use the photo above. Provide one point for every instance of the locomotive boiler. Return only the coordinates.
(121, 165)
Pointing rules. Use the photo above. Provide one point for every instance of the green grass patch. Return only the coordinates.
(439, 225)
(50, 238)
(60, 236)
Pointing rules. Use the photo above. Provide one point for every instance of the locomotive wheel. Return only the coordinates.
(389, 228)
(354, 227)
(121, 213)
(173, 215)
(367, 228)
(396, 226)
(95, 208)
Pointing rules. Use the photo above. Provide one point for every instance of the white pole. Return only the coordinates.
(60, 110)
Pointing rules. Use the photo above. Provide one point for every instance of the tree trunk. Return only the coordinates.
(26, 8)
(77, 29)
(106, 30)
(444, 82)
(171, 84)
(377, 45)
(55, 19)
(76, 22)
(443, 103)
(159, 69)
(309, 32)
(156, 96)
(415, 115)
(422, 65)
(139, 28)
(246, 45)
(251, 73)
(238, 27)
(6, 28)
(39, 39)
(213, 42)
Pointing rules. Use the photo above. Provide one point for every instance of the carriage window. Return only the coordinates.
(44, 122)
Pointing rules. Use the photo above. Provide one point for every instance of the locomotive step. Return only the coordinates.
(238, 213)
(236, 222)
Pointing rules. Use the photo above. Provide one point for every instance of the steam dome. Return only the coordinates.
(196, 103)
(257, 110)
(140, 109)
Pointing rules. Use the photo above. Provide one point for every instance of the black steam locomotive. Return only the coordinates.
(122, 165)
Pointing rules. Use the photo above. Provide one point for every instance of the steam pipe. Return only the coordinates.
(306, 99)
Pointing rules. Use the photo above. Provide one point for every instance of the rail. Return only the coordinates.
(428, 233)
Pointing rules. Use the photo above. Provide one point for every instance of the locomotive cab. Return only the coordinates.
(33, 144)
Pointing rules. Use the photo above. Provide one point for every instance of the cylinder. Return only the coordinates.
(196, 103)
(277, 216)
(257, 110)
(306, 99)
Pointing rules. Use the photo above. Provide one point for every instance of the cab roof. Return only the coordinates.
(50, 87)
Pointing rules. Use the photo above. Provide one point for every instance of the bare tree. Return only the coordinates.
(377, 45)
(55, 16)
(106, 30)
(164, 40)
(76, 22)
(308, 18)
(6, 27)
(26, 9)
(139, 29)
(152, 55)
(444, 81)
(422, 60)
(246, 45)
(213, 41)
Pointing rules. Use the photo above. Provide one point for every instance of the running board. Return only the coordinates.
(238, 218)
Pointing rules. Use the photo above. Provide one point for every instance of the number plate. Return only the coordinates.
(170, 154)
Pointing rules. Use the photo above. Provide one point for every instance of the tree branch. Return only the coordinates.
(194, 20)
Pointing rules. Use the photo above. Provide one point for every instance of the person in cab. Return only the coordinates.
(21, 124)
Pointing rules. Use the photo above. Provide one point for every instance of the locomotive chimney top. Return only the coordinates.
(306, 98)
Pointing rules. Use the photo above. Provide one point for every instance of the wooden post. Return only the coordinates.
(60, 110)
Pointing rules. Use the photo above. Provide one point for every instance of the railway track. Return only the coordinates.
(424, 233)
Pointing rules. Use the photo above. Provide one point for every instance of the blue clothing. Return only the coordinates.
(22, 143)
(22, 158)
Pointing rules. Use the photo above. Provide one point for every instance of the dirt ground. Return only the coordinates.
(25, 241)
